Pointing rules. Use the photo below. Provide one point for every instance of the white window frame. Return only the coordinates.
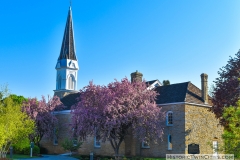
(55, 139)
(97, 141)
(167, 118)
(70, 81)
(75, 142)
(215, 147)
(145, 144)
(170, 142)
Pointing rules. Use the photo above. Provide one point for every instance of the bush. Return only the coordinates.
(21, 145)
(71, 145)
(36, 150)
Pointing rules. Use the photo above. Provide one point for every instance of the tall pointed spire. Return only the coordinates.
(67, 64)
(68, 48)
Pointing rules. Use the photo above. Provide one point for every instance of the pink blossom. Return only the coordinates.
(111, 111)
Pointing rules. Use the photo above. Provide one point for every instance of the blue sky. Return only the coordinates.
(164, 39)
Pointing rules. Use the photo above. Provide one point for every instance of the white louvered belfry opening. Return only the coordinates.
(71, 82)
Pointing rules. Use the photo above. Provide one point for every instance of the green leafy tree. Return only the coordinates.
(14, 124)
(18, 99)
(166, 82)
(231, 134)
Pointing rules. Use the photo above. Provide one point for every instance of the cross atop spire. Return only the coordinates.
(68, 48)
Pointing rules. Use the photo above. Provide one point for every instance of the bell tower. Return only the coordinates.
(67, 64)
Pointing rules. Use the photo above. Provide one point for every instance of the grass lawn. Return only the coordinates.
(17, 156)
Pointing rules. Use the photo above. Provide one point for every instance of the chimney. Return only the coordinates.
(204, 79)
(136, 77)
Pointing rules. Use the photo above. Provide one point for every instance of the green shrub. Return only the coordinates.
(36, 150)
(21, 145)
(71, 145)
(24, 148)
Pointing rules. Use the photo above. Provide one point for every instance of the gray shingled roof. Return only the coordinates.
(70, 100)
(171, 93)
(68, 48)
(180, 92)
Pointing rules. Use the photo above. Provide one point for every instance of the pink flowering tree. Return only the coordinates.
(114, 111)
(42, 113)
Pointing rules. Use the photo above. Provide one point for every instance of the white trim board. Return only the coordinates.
(201, 105)
(62, 112)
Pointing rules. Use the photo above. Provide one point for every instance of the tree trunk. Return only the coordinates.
(117, 154)
(4, 150)
(116, 146)
(117, 138)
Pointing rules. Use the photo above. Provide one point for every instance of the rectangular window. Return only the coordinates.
(145, 144)
(169, 118)
(169, 142)
(97, 142)
(55, 139)
(215, 147)
(75, 142)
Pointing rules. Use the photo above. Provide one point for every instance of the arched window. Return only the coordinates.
(169, 118)
(71, 82)
(59, 82)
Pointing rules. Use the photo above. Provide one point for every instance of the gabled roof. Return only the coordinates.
(68, 48)
(171, 93)
(180, 92)
(70, 100)
(151, 82)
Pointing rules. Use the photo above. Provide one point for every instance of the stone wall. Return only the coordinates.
(87, 146)
(105, 149)
(63, 132)
(176, 131)
(191, 124)
(202, 128)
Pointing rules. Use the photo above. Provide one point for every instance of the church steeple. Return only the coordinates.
(68, 47)
(67, 64)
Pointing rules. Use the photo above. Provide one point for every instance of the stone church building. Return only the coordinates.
(190, 128)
